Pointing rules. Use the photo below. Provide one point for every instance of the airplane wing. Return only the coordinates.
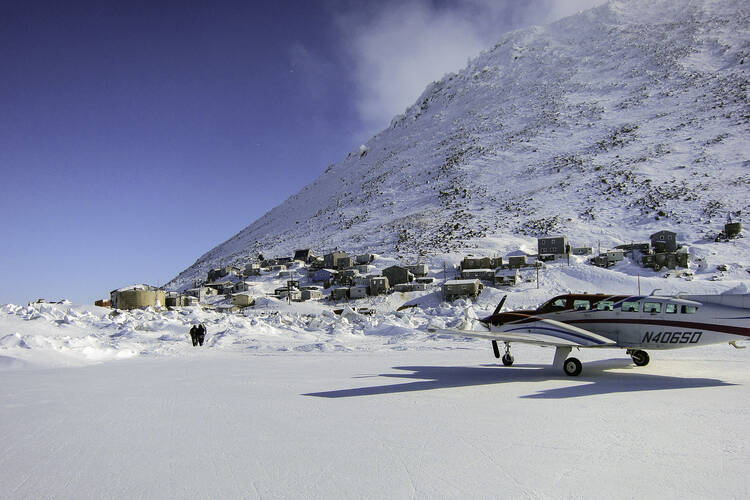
(545, 332)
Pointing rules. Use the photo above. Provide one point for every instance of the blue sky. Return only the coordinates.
(135, 136)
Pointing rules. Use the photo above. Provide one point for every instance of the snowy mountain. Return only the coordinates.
(605, 126)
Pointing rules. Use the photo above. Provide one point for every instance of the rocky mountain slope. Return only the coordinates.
(605, 126)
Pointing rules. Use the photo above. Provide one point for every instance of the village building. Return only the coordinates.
(305, 255)
(277, 268)
(358, 292)
(480, 274)
(379, 285)
(397, 275)
(222, 287)
(418, 270)
(425, 280)
(553, 247)
(137, 297)
(331, 260)
(345, 262)
(341, 293)
(581, 250)
(644, 248)
(324, 274)
(242, 286)
(228, 308)
(175, 299)
(455, 289)
(608, 258)
(361, 280)
(252, 269)
(481, 262)
(364, 258)
(507, 277)
(215, 274)
(664, 241)
(311, 293)
(517, 262)
(292, 294)
(364, 268)
(242, 299)
(103, 303)
(403, 287)
(201, 293)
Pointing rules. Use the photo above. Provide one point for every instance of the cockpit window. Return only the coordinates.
(581, 305)
(631, 306)
(605, 305)
(670, 308)
(652, 307)
(689, 309)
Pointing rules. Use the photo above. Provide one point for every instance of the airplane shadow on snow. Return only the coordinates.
(595, 380)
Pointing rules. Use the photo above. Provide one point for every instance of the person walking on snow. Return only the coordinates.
(201, 333)
(194, 335)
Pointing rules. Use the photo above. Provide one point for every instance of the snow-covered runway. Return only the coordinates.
(400, 424)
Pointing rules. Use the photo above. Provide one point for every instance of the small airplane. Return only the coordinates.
(633, 323)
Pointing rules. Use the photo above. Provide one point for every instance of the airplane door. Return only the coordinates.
(629, 323)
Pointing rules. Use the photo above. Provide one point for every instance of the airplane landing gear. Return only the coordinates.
(640, 358)
(572, 367)
(507, 357)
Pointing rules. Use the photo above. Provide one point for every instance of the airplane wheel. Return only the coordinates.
(507, 359)
(572, 367)
(640, 358)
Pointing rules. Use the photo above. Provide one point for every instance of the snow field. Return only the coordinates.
(445, 424)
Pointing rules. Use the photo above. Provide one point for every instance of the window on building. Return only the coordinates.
(631, 306)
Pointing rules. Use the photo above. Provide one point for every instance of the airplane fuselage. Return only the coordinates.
(632, 322)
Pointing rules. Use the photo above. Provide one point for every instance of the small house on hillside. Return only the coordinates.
(379, 285)
(507, 277)
(481, 262)
(364, 258)
(517, 262)
(201, 293)
(418, 270)
(324, 274)
(252, 269)
(331, 260)
(242, 299)
(305, 255)
(397, 274)
(664, 241)
(456, 289)
(215, 274)
(552, 247)
(480, 274)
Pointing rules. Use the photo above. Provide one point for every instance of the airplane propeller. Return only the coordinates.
(500, 305)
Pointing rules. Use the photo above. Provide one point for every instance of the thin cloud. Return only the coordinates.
(398, 49)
